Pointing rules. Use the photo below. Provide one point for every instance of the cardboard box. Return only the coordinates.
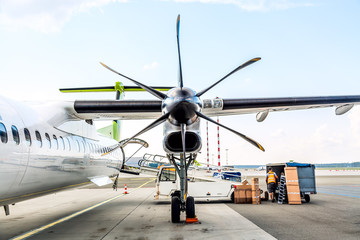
(291, 176)
(244, 182)
(255, 184)
(293, 193)
(239, 196)
(243, 187)
(255, 197)
(255, 189)
(248, 194)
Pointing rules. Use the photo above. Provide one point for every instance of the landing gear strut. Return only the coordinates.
(179, 201)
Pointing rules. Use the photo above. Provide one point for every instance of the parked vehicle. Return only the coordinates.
(168, 185)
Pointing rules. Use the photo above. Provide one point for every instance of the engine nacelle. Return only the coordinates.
(173, 143)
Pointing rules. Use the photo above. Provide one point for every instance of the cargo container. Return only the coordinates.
(306, 176)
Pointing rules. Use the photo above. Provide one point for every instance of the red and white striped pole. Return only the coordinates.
(218, 137)
(207, 144)
(125, 189)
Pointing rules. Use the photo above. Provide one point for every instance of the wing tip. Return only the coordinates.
(261, 148)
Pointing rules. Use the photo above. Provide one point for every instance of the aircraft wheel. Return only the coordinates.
(190, 207)
(175, 209)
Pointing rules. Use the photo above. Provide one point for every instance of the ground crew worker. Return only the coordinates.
(271, 183)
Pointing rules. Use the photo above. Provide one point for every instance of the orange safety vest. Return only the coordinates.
(271, 177)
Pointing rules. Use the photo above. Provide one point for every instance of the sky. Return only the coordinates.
(308, 48)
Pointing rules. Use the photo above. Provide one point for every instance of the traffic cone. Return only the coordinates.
(125, 189)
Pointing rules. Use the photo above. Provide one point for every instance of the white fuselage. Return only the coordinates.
(52, 151)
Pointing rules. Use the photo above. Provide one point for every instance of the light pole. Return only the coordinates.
(227, 157)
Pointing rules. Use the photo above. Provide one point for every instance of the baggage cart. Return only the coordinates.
(306, 176)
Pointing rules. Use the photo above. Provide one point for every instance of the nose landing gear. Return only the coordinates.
(177, 207)
(178, 203)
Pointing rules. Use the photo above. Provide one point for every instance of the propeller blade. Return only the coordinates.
(178, 47)
(233, 71)
(253, 142)
(154, 92)
(183, 131)
(152, 125)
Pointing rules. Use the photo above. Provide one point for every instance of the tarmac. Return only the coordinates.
(101, 213)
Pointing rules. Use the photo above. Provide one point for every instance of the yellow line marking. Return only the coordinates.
(37, 230)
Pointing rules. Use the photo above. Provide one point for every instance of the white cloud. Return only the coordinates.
(44, 15)
(354, 117)
(278, 133)
(151, 66)
(256, 5)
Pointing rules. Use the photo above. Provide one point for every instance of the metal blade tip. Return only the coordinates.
(261, 148)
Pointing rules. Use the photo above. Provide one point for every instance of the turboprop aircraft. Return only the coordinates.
(45, 147)
(31, 164)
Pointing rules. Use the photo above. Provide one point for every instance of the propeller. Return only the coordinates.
(181, 84)
(233, 71)
(154, 92)
(174, 109)
(183, 132)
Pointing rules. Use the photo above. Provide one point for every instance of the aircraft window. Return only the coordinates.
(27, 137)
(48, 140)
(77, 145)
(68, 144)
(82, 147)
(15, 134)
(38, 138)
(3, 133)
(62, 143)
(56, 143)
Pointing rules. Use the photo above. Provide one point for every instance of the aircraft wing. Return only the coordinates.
(223, 107)
(117, 109)
(150, 109)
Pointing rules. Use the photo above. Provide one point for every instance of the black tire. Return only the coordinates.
(176, 194)
(307, 198)
(190, 207)
(175, 209)
(233, 197)
(266, 196)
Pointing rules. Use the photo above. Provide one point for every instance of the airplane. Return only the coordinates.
(45, 147)
(38, 160)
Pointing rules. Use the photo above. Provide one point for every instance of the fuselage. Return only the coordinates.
(41, 151)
